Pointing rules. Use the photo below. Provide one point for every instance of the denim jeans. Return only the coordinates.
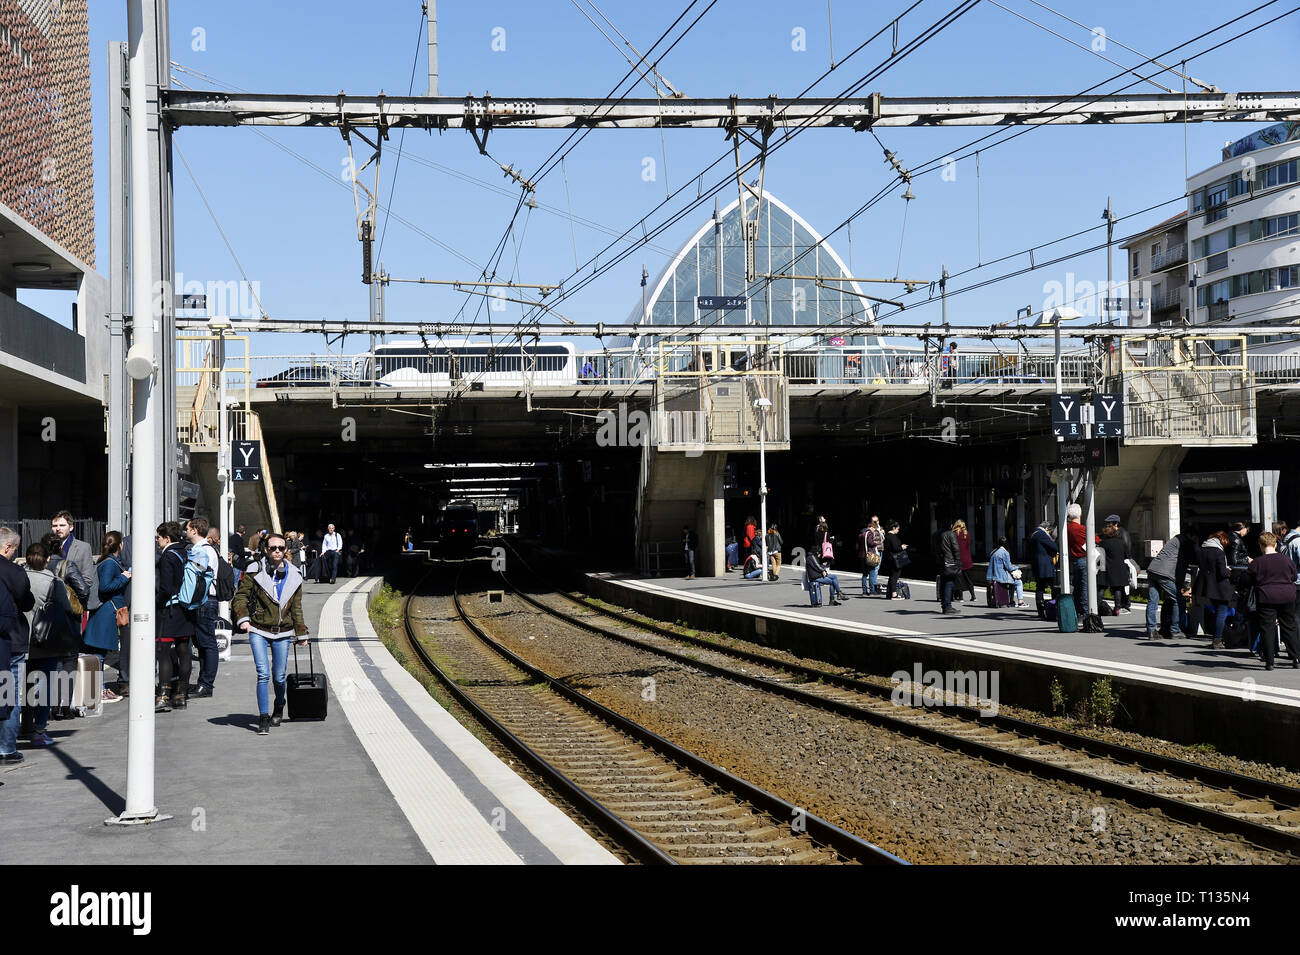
(1220, 610)
(690, 561)
(1079, 583)
(50, 666)
(331, 563)
(270, 668)
(869, 578)
(1162, 594)
(205, 639)
(946, 585)
(9, 728)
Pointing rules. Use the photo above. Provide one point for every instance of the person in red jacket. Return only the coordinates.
(964, 583)
(1078, 537)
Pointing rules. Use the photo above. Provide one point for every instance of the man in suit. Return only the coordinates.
(78, 553)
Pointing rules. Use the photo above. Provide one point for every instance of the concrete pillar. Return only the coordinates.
(1022, 532)
(990, 516)
(712, 528)
(1165, 500)
(9, 462)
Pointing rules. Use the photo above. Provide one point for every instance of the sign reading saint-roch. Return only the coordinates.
(245, 461)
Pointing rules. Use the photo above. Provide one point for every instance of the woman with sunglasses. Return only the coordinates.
(268, 607)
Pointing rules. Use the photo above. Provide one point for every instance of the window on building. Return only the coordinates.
(1137, 264)
(1280, 225)
(1216, 202)
(1216, 263)
(1155, 251)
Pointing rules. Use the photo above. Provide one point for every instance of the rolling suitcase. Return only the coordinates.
(997, 595)
(88, 686)
(308, 696)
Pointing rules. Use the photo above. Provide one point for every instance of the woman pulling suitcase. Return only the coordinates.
(268, 607)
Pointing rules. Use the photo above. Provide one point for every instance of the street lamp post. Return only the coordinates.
(762, 404)
(1059, 314)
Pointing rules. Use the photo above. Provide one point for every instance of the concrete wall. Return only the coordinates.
(27, 334)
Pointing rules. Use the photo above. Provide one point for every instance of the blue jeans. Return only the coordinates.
(277, 659)
(51, 667)
(945, 590)
(1161, 591)
(869, 579)
(835, 585)
(205, 638)
(1079, 583)
(690, 561)
(331, 563)
(754, 574)
(9, 728)
(1220, 610)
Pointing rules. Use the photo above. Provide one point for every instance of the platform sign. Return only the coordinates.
(1088, 453)
(1067, 417)
(723, 302)
(246, 460)
(1108, 416)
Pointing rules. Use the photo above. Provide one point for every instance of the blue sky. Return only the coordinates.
(294, 228)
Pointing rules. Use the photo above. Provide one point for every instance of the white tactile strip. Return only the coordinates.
(494, 787)
(462, 815)
(1208, 684)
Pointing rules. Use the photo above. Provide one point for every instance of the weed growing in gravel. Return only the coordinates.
(1103, 702)
(386, 609)
(1059, 699)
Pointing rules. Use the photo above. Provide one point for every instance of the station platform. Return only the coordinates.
(389, 777)
(1178, 689)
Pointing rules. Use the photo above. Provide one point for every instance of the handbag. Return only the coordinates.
(827, 549)
(871, 559)
(123, 615)
(901, 559)
(73, 600)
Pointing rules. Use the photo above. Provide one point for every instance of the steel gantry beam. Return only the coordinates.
(601, 329)
(478, 113)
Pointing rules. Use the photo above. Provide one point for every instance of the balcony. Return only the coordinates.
(1170, 299)
(1219, 312)
(1169, 257)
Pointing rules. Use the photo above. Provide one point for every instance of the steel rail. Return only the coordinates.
(624, 835)
(819, 830)
(1215, 820)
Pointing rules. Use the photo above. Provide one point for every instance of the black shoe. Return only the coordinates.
(277, 715)
(264, 725)
(952, 610)
(200, 692)
(162, 705)
(11, 759)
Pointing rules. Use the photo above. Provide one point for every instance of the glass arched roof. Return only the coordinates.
(783, 237)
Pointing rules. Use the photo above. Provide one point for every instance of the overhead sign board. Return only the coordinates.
(1108, 416)
(724, 302)
(1088, 453)
(246, 461)
(1067, 417)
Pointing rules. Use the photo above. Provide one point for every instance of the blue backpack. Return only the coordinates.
(194, 585)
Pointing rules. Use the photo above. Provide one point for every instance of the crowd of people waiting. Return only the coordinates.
(1215, 585)
(65, 612)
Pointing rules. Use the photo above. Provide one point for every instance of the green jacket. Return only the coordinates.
(255, 602)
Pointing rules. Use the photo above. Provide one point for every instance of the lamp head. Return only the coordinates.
(219, 323)
(140, 362)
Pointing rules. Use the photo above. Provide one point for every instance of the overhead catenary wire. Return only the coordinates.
(401, 139)
(252, 289)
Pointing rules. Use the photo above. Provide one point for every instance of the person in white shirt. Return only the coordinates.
(205, 624)
(332, 550)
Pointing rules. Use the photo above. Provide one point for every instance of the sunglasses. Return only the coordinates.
(276, 547)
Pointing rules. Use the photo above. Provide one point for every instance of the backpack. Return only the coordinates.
(225, 580)
(1292, 544)
(194, 585)
(49, 623)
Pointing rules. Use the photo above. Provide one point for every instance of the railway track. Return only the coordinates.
(1264, 813)
(660, 802)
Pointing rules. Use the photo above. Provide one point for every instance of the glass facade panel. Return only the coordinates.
(783, 246)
